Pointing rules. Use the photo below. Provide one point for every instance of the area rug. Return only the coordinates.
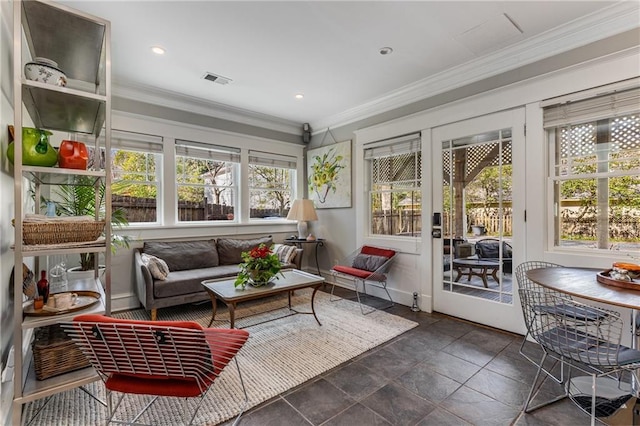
(278, 356)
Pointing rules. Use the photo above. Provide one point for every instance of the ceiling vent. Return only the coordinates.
(217, 78)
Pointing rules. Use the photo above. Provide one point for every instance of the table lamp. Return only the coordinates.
(302, 210)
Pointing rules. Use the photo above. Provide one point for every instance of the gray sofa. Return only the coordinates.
(190, 263)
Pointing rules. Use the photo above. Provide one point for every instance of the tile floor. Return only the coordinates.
(443, 372)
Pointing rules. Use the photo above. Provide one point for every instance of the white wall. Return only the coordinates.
(414, 267)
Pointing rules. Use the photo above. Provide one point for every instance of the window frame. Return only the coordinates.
(585, 115)
(208, 152)
(409, 144)
(274, 161)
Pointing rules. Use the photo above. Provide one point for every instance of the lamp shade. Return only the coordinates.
(302, 210)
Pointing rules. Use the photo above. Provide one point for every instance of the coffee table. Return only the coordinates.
(471, 264)
(294, 279)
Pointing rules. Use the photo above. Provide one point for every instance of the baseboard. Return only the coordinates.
(401, 297)
(124, 302)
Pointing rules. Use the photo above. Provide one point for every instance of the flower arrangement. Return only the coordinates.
(260, 266)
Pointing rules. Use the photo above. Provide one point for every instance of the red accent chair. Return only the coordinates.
(367, 265)
(160, 358)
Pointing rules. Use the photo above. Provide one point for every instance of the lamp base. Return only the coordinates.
(302, 230)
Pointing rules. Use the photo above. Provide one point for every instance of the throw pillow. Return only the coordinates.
(184, 255)
(230, 249)
(286, 253)
(157, 267)
(368, 262)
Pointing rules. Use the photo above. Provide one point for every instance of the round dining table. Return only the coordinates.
(583, 283)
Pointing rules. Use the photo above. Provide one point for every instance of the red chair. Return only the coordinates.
(367, 265)
(178, 359)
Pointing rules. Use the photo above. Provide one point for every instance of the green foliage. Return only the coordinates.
(260, 266)
(79, 199)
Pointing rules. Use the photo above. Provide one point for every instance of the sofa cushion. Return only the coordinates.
(286, 253)
(230, 249)
(184, 255)
(179, 283)
(157, 267)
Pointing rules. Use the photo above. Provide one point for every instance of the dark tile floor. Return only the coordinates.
(443, 372)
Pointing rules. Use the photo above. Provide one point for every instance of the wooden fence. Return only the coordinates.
(144, 210)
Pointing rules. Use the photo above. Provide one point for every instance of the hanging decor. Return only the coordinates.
(329, 175)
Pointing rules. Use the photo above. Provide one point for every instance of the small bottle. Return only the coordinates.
(43, 287)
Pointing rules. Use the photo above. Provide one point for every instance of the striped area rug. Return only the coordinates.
(278, 356)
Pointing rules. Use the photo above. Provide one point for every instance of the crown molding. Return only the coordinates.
(614, 20)
(170, 99)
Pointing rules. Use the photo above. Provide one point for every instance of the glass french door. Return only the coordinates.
(478, 190)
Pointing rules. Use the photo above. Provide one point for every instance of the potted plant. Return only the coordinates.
(78, 199)
(259, 268)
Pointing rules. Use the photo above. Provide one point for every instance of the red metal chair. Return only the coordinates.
(367, 265)
(178, 359)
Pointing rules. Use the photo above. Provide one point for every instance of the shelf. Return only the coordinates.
(97, 246)
(58, 108)
(35, 389)
(80, 44)
(57, 175)
(75, 40)
(86, 284)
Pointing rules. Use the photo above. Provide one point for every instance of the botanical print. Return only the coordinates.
(329, 175)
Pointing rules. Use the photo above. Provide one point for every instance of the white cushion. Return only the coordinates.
(157, 267)
(285, 253)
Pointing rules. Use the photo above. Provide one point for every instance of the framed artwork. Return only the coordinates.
(329, 175)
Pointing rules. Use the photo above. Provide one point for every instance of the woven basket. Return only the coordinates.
(55, 353)
(61, 232)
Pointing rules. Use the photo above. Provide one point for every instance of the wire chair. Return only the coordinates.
(178, 359)
(366, 265)
(587, 338)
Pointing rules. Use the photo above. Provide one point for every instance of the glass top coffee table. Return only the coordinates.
(294, 279)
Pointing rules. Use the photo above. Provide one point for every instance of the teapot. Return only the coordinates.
(36, 149)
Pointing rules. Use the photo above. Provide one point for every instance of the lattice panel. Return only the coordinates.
(398, 171)
(625, 133)
(580, 140)
(479, 155)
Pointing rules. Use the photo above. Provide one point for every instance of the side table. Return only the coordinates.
(298, 242)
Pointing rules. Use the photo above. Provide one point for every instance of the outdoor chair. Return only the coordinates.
(366, 265)
(175, 359)
(489, 248)
(587, 339)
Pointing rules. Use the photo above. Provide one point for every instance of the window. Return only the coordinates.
(136, 166)
(595, 148)
(395, 202)
(271, 180)
(207, 181)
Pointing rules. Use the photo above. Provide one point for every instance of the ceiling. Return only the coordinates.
(329, 51)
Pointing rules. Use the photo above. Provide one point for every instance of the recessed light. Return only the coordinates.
(158, 50)
(385, 50)
(299, 96)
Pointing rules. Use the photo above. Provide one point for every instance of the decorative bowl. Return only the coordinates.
(45, 73)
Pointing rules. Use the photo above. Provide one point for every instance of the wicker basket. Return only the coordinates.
(55, 353)
(61, 232)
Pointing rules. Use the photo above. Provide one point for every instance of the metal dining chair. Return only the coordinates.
(175, 359)
(587, 338)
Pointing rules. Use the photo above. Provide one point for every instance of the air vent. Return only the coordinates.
(217, 78)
